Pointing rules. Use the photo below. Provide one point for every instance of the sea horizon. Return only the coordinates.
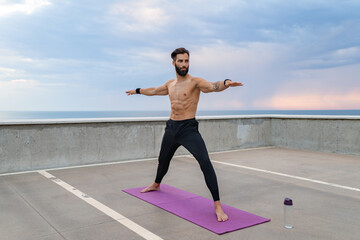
(29, 115)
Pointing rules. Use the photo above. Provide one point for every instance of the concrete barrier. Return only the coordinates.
(41, 144)
(336, 134)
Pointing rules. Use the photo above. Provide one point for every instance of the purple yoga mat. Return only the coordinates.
(197, 209)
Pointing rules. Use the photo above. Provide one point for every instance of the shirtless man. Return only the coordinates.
(182, 128)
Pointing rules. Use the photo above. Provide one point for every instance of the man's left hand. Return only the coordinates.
(230, 83)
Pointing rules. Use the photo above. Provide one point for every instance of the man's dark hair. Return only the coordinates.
(179, 51)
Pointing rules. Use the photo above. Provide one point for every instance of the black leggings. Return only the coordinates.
(185, 133)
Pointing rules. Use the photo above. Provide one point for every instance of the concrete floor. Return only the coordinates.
(35, 207)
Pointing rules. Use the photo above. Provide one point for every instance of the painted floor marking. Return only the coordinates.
(103, 208)
(79, 166)
(290, 176)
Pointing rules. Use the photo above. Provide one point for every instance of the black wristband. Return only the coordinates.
(138, 90)
(225, 81)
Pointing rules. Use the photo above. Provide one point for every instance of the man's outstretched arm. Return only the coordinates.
(216, 86)
(162, 90)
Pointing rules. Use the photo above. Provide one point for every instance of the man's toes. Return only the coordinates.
(222, 218)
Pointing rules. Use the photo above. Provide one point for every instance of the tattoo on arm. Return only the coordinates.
(216, 86)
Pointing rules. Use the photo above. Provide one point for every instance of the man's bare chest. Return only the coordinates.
(182, 91)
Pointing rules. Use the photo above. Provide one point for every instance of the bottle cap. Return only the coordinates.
(288, 202)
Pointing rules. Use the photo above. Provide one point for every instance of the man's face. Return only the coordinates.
(182, 64)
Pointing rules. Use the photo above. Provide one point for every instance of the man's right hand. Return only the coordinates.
(130, 92)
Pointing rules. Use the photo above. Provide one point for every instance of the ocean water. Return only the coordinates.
(27, 115)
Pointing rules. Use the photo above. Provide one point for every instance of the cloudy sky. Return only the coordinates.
(83, 55)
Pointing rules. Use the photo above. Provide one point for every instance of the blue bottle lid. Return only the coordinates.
(288, 202)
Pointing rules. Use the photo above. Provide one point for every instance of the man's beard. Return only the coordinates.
(181, 72)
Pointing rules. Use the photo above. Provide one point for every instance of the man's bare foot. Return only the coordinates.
(153, 187)
(221, 216)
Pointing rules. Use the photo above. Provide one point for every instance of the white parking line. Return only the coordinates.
(103, 208)
(80, 166)
(290, 176)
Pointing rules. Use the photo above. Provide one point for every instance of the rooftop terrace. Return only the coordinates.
(323, 186)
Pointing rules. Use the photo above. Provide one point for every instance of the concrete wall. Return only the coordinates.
(331, 134)
(30, 145)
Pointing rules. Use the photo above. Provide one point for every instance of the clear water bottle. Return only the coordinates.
(288, 213)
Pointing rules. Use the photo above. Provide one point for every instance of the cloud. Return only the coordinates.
(312, 101)
(8, 56)
(227, 100)
(33, 83)
(27, 7)
(30, 94)
(153, 54)
(23, 81)
(26, 84)
(333, 58)
(169, 21)
(139, 16)
(332, 88)
(347, 56)
(243, 57)
(7, 71)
